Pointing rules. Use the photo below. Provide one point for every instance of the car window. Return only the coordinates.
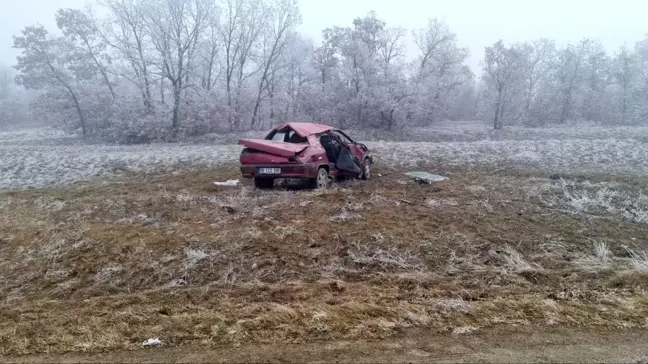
(288, 136)
(343, 137)
(279, 136)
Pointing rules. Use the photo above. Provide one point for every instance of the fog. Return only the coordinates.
(477, 23)
(138, 71)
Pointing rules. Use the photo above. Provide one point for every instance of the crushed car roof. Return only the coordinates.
(306, 129)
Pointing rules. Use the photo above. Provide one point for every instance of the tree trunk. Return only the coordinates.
(527, 107)
(82, 120)
(162, 91)
(496, 122)
(257, 103)
(176, 110)
(229, 106)
(624, 107)
(565, 109)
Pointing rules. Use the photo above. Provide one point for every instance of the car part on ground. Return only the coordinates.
(425, 177)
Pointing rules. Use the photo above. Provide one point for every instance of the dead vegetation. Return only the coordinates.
(102, 266)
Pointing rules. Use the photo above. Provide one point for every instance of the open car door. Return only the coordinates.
(340, 154)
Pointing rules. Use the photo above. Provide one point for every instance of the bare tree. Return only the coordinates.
(568, 68)
(502, 67)
(79, 27)
(536, 57)
(175, 27)
(127, 34)
(625, 66)
(211, 46)
(440, 66)
(282, 16)
(240, 28)
(392, 48)
(52, 63)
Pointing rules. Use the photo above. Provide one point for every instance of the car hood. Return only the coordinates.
(277, 148)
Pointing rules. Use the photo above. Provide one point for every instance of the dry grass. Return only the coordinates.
(101, 266)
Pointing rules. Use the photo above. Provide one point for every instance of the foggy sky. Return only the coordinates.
(478, 23)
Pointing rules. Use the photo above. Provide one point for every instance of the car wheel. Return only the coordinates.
(366, 169)
(263, 183)
(322, 179)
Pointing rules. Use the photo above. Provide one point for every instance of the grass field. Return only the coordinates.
(555, 238)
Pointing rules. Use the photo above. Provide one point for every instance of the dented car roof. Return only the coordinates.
(306, 129)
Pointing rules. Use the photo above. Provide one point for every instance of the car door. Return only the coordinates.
(355, 148)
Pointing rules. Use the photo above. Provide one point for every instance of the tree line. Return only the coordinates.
(537, 83)
(164, 69)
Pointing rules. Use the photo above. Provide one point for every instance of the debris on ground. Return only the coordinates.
(229, 182)
(425, 177)
(152, 342)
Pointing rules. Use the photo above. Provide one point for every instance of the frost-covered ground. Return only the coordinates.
(568, 155)
(43, 157)
(33, 160)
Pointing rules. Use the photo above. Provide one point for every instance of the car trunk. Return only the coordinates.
(282, 149)
(267, 152)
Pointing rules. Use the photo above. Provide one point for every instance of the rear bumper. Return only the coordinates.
(287, 170)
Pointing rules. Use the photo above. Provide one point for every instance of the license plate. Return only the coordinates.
(269, 170)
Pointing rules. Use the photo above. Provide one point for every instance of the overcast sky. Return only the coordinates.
(478, 23)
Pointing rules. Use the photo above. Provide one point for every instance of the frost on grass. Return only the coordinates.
(585, 155)
(37, 163)
(601, 199)
(109, 274)
(194, 256)
(639, 261)
(514, 261)
(43, 157)
(450, 305)
(462, 330)
(345, 216)
(600, 258)
(362, 258)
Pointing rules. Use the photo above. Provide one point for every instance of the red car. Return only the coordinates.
(303, 150)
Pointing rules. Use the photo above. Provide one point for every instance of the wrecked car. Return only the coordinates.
(314, 152)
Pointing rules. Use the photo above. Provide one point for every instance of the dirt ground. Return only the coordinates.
(378, 270)
(497, 345)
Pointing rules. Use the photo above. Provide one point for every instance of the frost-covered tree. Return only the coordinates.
(502, 70)
(127, 36)
(80, 29)
(53, 64)
(624, 73)
(282, 16)
(175, 28)
(241, 26)
(440, 69)
(535, 57)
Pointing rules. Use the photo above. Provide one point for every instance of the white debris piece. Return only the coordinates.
(152, 342)
(229, 182)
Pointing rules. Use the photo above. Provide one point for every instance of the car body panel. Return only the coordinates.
(277, 148)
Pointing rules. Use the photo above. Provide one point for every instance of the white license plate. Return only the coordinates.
(269, 170)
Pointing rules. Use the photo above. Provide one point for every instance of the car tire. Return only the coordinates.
(263, 183)
(366, 169)
(321, 180)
